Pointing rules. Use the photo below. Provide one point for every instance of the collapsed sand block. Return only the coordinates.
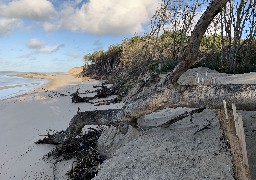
(113, 138)
(183, 150)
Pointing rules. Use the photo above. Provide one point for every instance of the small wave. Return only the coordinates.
(12, 86)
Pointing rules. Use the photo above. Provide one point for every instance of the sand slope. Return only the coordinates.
(177, 152)
(75, 70)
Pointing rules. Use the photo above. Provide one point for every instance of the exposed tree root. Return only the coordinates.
(103, 92)
(182, 116)
(84, 150)
(98, 117)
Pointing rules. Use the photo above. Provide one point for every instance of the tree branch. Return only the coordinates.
(189, 57)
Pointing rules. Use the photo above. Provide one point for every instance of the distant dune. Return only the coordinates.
(75, 70)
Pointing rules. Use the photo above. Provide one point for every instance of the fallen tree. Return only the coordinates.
(153, 97)
(244, 96)
(102, 92)
(212, 96)
(170, 95)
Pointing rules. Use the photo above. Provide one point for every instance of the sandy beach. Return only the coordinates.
(25, 118)
(176, 152)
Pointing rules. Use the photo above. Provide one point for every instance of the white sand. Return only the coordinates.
(24, 118)
(161, 153)
(175, 152)
(220, 78)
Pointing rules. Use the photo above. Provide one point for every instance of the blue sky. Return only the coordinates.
(54, 35)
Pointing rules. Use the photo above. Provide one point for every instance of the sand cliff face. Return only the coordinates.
(181, 151)
(75, 70)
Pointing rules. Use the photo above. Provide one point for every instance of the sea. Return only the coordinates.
(11, 85)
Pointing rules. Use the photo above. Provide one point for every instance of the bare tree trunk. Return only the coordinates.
(244, 96)
(190, 54)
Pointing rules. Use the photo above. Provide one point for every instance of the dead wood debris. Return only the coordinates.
(78, 99)
(117, 99)
(84, 149)
(103, 92)
(207, 126)
(182, 116)
(49, 138)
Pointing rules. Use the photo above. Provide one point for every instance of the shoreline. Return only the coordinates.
(55, 80)
(50, 81)
(26, 117)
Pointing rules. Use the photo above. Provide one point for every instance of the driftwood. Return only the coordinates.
(117, 99)
(203, 128)
(182, 116)
(78, 99)
(97, 117)
(50, 139)
(103, 92)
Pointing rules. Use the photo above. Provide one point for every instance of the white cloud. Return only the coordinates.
(109, 17)
(50, 27)
(8, 24)
(50, 49)
(112, 17)
(30, 9)
(34, 43)
(39, 48)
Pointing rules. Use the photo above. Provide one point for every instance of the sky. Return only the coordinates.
(54, 35)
